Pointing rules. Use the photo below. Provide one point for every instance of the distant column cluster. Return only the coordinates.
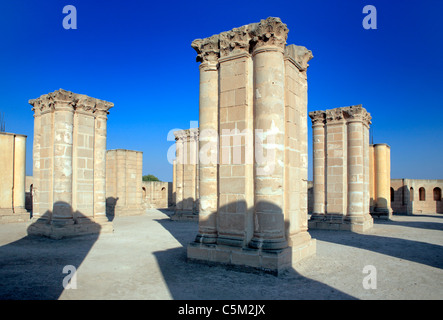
(341, 169)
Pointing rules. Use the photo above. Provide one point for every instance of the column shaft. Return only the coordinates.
(319, 182)
(208, 155)
(356, 174)
(100, 166)
(62, 175)
(269, 232)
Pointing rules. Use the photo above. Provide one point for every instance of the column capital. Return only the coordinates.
(298, 55)
(208, 49)
(101, 109)
(335, 115)
(69, 101)
(269, 33)
(317, 117)
(235, 41)
(357, 113)
(49, 102)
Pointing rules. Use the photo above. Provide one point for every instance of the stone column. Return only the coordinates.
(12, 181)
(179, 140)
(347, 169)
(174, 183)
(235, 200)
(70, 175)
(358, 157)
(318, 164)
(336, 166)
(269, 124)
(62, 177)
(100, 133)
(382, 180)
(208, 53)
(261, 98)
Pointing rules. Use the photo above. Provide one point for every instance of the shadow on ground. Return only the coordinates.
(189, 280)
(31, 268)
(412, 250)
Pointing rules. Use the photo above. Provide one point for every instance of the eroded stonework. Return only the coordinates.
(341, 169)
(253, 197)
(69, 157)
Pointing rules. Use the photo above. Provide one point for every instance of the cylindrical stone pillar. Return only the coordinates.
(382, 180)
(62, 174)
(269, 92)
(319, 178)
(355, 168)
(179, 172)
(100, 162)
(208, 155)
(19, 171)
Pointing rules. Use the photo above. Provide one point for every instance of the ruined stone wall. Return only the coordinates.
(415, 196)
(124, 193)
(12, 178)
(157, 194)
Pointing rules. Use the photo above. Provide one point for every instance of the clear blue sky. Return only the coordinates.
(138, 55)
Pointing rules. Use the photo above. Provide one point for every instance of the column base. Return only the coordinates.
(84, 226)
(184, 215)
(346, 223)
(14, 216)
(382, 213)
(251, 259)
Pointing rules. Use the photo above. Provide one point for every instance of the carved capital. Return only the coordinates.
(235, 41)
(317, 117)
(102, 108)
(85, 104)
(208, 49)
(357, 113)
(299, 55)
(333, 115)
(269, 33)
(69, 101)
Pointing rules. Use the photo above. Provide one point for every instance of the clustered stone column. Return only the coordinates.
(341, 169)
(186, 175)
(69, 165)
(124, 193)
(380, 180)
(253, 149)
(12, 178)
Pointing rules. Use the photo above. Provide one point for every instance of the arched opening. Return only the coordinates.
(422, 194)
(144, 192)
(437, 194)
(392, 194)
(163, 189)
(411, 194)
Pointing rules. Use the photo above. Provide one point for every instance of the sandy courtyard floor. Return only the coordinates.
(145, 258)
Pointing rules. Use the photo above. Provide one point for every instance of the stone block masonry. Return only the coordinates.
(69, 159)
(12, 178)
(253, 149)
(124, 190)
(186, 175)
(341, 169)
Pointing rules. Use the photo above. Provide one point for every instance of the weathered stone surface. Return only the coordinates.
(12, 178)
(341, 162)
(69, 156)
(253, 197)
